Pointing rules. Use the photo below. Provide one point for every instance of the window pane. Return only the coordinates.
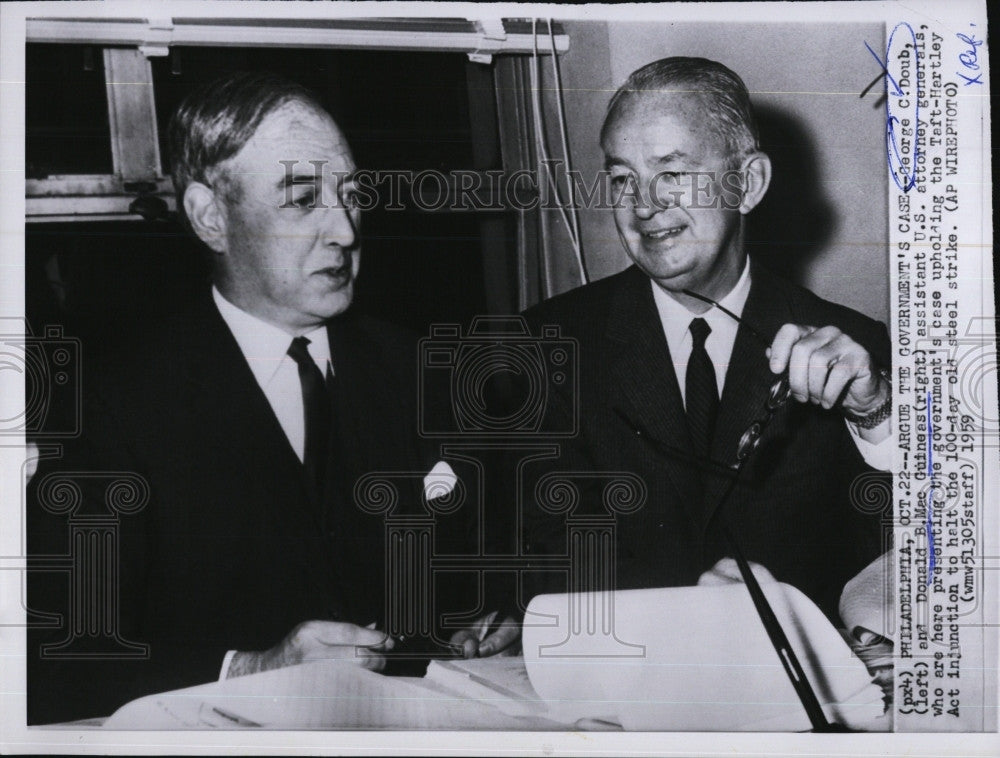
(66, 111)
(399, 110)
(421, 268)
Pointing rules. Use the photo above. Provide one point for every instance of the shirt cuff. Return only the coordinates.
(878, 455)
(225, 664)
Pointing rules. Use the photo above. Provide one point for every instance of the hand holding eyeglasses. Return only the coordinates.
(826, 367)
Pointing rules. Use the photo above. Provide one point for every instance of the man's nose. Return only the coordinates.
(340, 226)
(645, 205)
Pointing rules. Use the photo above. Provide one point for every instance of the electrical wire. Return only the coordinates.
(540, 139)
(570, 221)
(564, 134)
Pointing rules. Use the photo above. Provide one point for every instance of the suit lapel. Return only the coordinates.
(372, 434)
(356, 380)
(236, 414)
(644, 386)
(748, 382)
(373, 424)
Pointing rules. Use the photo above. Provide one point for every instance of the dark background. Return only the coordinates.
(398, 110)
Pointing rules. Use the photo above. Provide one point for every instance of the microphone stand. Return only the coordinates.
(790, 661)
(775, 633)
(782, 646)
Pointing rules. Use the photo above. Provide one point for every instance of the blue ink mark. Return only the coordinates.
(894, 152)
(930, 493)
(970, 58)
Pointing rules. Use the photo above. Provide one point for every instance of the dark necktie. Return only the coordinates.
(701, 391)
(316, 405)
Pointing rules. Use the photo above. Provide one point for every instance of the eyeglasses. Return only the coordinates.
(777, 397)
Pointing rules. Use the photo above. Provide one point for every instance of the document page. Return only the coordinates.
(319, 695)
(693, 658)
(337, 322)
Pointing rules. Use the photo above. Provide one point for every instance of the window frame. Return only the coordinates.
(136, 161)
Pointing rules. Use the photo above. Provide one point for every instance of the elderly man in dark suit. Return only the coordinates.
(248, 417)
(688, 356)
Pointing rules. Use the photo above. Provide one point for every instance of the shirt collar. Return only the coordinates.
(265, 345)
(677, 319)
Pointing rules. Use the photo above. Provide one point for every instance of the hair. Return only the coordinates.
(216, 120)
(719, 88)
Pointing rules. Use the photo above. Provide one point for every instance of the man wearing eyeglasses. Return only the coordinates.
(698, 367)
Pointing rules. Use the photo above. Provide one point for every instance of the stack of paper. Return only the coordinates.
(866, 606)
(691, 658)
(320, 695)
(501, 681)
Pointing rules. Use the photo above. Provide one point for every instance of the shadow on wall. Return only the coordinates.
(795, 221)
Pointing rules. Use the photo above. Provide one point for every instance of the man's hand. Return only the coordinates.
(315, 641)
(479, 641)
(828, 368)
(726, 571)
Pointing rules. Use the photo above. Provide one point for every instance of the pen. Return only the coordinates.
(490, 625)
(234, 718)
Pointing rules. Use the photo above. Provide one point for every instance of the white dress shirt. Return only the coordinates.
(265, 348)
(676, 322)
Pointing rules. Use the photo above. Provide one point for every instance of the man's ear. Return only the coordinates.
(756, 179)
(207, 216)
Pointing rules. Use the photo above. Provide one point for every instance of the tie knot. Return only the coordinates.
(299, 352)
(699, 331)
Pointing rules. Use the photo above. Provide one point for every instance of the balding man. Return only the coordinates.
(696, 359)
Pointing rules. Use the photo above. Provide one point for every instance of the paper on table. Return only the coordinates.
(323, 694)
(690, 658)
(866, 602)
(503, 683)
(500, 681)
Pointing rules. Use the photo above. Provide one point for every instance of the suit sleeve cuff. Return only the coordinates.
(225, 664)
(878, 455)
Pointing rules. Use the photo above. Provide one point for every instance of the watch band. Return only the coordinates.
(873, 418)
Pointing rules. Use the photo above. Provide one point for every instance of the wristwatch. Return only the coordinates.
(873, 418)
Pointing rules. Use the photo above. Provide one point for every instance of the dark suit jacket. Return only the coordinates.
(230, 552)
(791, 509)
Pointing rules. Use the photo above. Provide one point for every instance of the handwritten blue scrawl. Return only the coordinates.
(894, 120)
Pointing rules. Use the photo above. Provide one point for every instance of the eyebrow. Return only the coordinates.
(307, 179)
(670, 157)
(288, 181)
